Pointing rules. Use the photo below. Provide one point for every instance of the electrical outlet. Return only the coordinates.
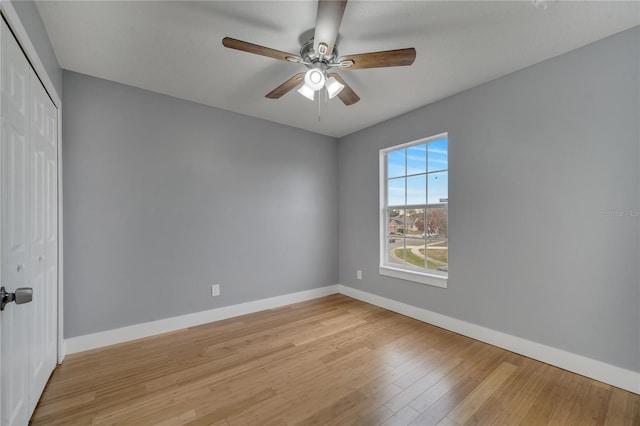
(215, 290)
(359, 274)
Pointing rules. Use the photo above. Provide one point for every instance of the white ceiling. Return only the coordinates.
(175, 48)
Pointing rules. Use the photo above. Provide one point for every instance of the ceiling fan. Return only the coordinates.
(320, 55)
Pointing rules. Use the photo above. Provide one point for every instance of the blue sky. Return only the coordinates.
(416, 167)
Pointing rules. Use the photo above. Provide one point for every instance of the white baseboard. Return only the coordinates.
(138, 331)
(598, 370)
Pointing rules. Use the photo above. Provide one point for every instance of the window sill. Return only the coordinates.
(415, 276)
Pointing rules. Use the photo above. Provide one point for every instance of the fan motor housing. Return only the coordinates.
(311, 56)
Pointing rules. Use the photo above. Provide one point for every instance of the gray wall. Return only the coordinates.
(536, 160)
(163, 197)
(30, 18)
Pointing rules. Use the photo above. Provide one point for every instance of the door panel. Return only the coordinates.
(14, 330)
(43, 241)
(29, 233)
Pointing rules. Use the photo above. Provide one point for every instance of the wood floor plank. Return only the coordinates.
(375, 417)
(623, 409)
(575, 387)
(544, 405)
(402, 417)
(487, 355)
(516, 393)
(437, 412)
(440, 369)
(593, 408)
(328, 361)
(471, 403)
(328, 413)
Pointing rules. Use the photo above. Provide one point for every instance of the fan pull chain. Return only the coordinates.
(326, 98)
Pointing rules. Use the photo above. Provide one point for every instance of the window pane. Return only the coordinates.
(396, 163)
(417, 159)
(437, 238)
(396, 192)
(414, 223)
(438, 188)
(438, 155)
(414, 252)
(417, 189)
(437, 223)
(395, 222)
(438, 257)
(415, 216)
(395, 251)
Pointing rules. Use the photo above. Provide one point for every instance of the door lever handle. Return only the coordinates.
(22, 295)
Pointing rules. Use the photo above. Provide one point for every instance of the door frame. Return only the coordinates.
(15, 24)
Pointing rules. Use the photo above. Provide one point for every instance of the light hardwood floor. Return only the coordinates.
(333, 360)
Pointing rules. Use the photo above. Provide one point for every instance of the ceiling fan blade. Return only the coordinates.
(387, 58)
(347, 95)
(328, 21)
(244, 46)
(286, 87)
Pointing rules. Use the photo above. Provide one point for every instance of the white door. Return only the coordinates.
(15, 207)
(29, 233)
(44, 238)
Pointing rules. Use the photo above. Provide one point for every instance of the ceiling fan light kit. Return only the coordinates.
(307, 92)
(334, 87)
(320, 55)
(314, 79)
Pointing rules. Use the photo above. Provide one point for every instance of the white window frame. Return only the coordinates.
(433, 278)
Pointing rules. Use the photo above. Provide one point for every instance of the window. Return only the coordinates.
(414, 198)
